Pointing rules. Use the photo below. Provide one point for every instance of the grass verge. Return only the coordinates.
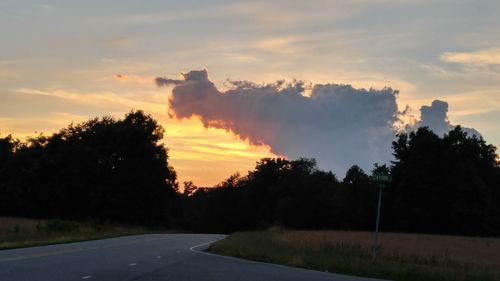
(20, 232)
(347, 252)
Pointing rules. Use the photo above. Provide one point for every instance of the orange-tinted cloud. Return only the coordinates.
(479, 57)
(133, 79)
(336, 124)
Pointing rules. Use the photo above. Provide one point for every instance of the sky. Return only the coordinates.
(68, 61)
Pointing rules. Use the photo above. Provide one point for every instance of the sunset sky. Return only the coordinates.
(68, 61)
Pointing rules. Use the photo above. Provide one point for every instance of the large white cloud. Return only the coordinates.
(336, 124)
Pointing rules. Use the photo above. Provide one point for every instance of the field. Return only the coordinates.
(21, 232)
(402, 257)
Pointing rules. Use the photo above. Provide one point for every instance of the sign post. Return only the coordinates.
(381, 180)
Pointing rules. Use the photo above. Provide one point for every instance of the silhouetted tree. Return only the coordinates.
(7, 146)
(355, 175)
(381, 169)
(441, 185)
(356, 200)
(103, 168)
(277, 192)
(445, 185)
(189, 188)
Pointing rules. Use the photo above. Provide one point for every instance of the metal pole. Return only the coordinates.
(375, 238)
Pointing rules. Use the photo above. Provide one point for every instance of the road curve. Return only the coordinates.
(163, 257)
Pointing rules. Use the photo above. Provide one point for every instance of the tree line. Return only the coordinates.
(117, 171)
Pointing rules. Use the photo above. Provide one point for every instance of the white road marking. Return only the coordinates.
(194, 249)
(87, 277)
(132, 264)
(158, 257)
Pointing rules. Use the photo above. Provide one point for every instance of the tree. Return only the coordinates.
(355, 175)
(189, 188)
(114, 170)
(444, 185)
(380, 169)
(277, 192)
(7, 146)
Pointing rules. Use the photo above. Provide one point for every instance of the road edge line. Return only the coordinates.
(194, 250)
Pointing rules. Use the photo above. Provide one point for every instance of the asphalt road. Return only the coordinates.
(175, 257)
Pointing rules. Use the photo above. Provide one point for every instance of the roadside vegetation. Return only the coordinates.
(403, 257)
(21, 232)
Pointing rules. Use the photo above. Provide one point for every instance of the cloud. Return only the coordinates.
(133, 79)
(241, 58)
(279, 45)
(435, 117)
(336, 124)
(99, 99)
(104, 41)
(480, 57)
(23, 127)
(192, 76)
(477, 101)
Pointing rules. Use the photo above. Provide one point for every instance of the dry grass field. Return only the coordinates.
(482, 251)
(403, 257)
(10, 224)
(22, 232)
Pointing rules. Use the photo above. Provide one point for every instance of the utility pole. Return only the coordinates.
(381, 181)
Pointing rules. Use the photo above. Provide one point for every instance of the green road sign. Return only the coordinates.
(381, 180)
